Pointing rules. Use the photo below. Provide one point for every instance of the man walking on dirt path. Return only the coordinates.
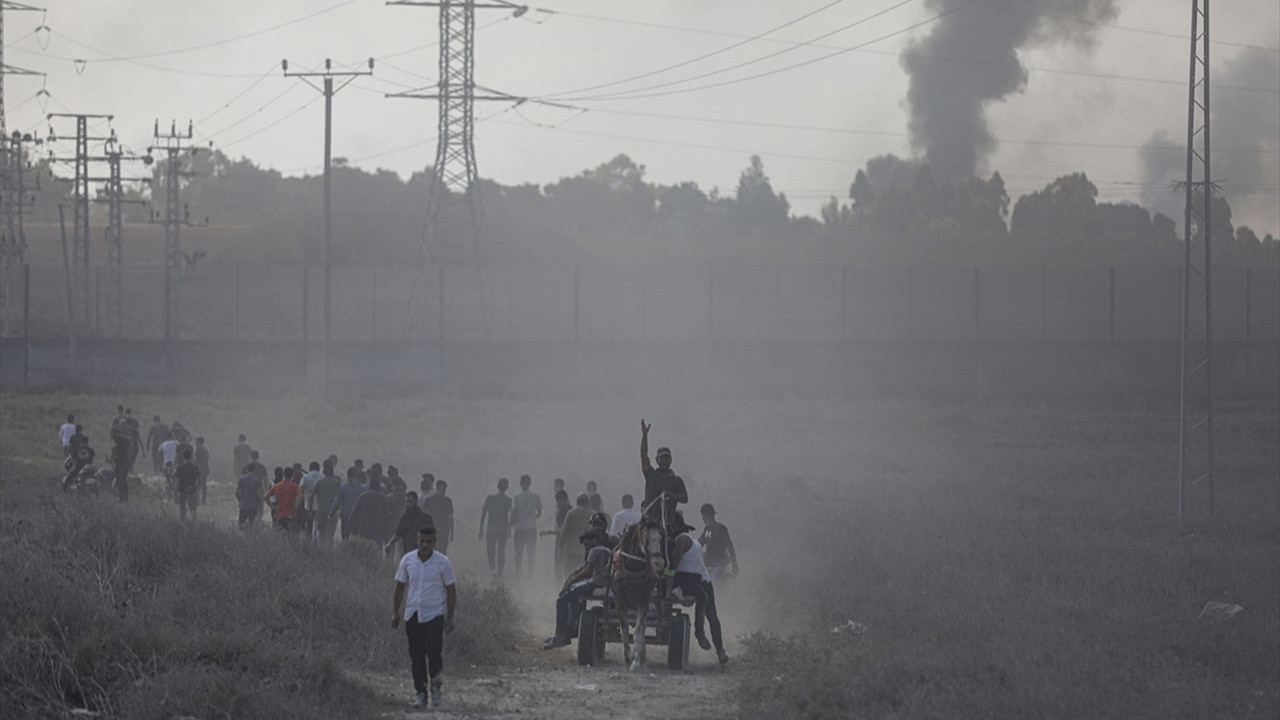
(158, 433)
(497, 508)
(439, 506)
(326, 491)
(659, 481)
(593, 575)
(187, 479)
(406, 531)
(428, 593)
(526, 508)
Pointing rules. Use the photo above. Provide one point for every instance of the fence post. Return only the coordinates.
(977, 304)
(26, 326)
(1248, 320)
(373, 280)
(777, 303)
(576, 298)
(1044, 303)
(306, 306)
(1111, 325)
(235, 328)
(97, 298)
(910, 319)
(711, 304)
(440, 324)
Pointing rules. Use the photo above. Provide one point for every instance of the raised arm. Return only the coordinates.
(644, 445)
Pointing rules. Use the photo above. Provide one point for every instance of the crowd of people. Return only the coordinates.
(314, 502)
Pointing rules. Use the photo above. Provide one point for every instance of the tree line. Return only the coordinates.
(895, 209)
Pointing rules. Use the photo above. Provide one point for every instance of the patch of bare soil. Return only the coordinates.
(551, 685)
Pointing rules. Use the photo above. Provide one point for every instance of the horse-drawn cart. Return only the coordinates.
(665, 624)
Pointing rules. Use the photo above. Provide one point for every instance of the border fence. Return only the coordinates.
(504, 329)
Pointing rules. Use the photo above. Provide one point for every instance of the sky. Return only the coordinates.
(218, 64)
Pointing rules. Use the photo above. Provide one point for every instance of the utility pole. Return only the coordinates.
(454, 173)
(175, 215)
(1195, 394)
(326, 257)
(80, 205)
(12, 241)
(13, 247)
(113, 197)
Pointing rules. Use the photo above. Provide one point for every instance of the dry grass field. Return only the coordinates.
(979, 560)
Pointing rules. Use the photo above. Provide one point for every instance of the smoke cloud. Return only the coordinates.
(947, 100)
(1247, 160)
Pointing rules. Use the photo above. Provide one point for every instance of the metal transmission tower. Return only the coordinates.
(13, 249)
(175, 216)
(80, 203)
(1195, 426)
(12, 240)
(454, 173)
(114, 198)
(325, 257)
(5, 7)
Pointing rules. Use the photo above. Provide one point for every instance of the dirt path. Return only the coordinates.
(551, 685)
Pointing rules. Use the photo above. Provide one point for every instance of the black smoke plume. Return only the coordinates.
(947, 99)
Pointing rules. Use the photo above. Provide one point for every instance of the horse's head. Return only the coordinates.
(640, 549)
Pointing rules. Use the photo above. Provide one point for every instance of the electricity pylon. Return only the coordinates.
(114, 198)
(80, 249)
(175, 215)
(1195, 395)
(454, 175)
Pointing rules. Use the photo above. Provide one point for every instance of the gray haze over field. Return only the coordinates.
(1001, 79)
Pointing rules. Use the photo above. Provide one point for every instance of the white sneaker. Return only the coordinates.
(437, 693)
(678, 595)
(421, 702)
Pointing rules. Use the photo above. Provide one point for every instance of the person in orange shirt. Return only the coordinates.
(288, 495)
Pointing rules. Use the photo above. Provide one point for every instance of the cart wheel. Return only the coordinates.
(678, 643)
(590, 637)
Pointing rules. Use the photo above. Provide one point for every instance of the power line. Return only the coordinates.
(680, 28)
(735, 81)
(885, 133)
(259, 131)
(793, 48)
(921, 56)
(111, 57)
(711, 54)
(1145, 31)
(239, 95)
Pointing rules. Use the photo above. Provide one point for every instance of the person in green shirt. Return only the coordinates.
(497, 508)
(326, 490)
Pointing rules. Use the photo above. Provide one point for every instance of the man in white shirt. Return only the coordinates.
(65, 432)
(425, 597)
(307, 519)
(624, 517)
(693, 581)
(169, 451)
